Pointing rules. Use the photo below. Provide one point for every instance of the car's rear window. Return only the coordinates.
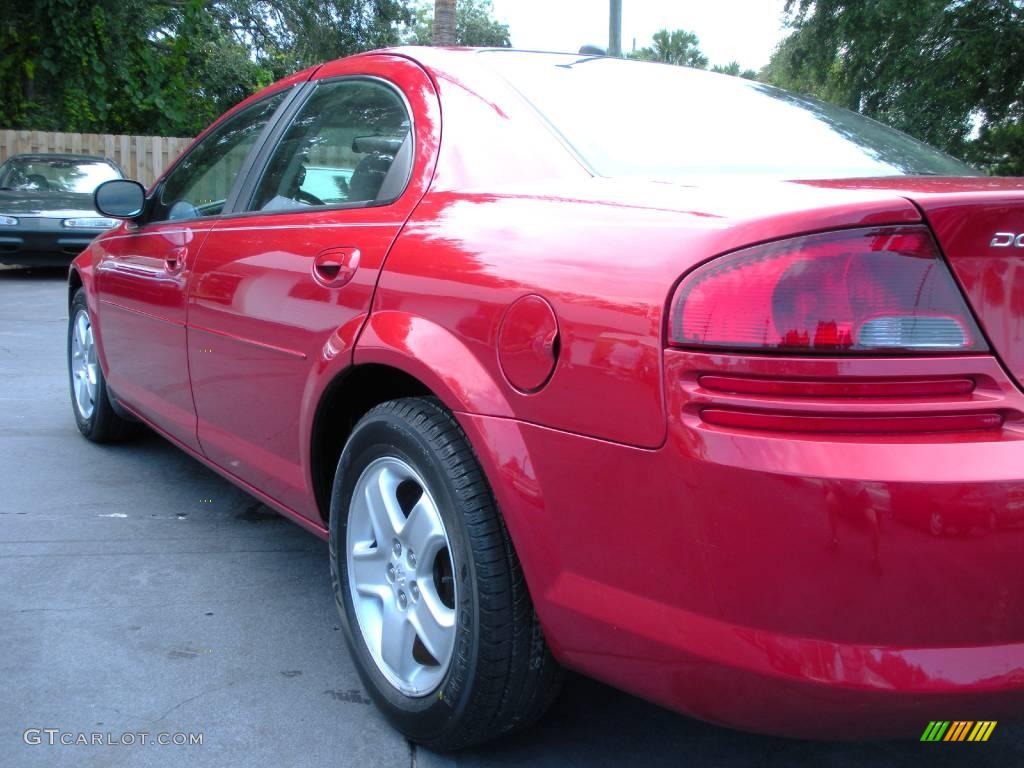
(629, 118)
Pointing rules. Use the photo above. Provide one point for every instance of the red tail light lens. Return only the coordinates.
(882, 289)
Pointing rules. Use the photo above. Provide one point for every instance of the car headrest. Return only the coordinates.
(383, 145)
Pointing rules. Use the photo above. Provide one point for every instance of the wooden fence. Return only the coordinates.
(142, 158)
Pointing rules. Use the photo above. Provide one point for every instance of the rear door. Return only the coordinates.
(143, 273)
(282, 289)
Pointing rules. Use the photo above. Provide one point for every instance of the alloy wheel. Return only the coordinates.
(84, 368)
(400, 576)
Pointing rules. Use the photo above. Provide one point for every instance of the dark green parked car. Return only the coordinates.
(46, 209)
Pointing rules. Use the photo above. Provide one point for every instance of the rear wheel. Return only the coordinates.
(430, 591)
(90, 399)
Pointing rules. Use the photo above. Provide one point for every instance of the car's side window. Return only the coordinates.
(350, 145)
(200, 184)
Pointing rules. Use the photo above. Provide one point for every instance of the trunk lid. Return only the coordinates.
(979, 224)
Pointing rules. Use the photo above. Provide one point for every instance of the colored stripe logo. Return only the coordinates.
(958, 730)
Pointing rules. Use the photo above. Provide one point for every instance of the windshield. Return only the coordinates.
(629, 118)
(40, 174)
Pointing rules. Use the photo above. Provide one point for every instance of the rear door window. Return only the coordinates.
(350, 146)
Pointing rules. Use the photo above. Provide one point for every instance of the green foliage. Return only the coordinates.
(950, 72)
(733, 68)
(677, 47)
(682, 48)
(119, 67)
(288, 35)
(999, 148)
(167, 67)
(475, 25)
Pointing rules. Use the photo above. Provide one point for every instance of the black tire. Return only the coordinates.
(502, 676)
(103, 424)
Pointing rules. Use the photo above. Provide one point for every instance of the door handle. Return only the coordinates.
(334, 267)
(174, 261)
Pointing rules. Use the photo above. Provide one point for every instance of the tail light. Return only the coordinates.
(882, 289)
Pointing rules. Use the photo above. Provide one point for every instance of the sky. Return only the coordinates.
(746, 31)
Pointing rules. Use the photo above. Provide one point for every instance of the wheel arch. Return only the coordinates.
(436, 356)
(83, 274)
(348, 396)
(396, 355)
(74, 283)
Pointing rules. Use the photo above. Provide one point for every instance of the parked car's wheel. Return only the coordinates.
(90, 400)
(431, 594)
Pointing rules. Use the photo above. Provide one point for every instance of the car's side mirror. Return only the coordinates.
(120, 199)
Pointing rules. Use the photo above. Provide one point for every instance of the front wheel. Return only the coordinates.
(90, 400)
(430, 591)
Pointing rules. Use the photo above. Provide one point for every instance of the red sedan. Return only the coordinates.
(645, 372)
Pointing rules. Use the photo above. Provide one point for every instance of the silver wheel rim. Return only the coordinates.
(84, 369)
(400, 576)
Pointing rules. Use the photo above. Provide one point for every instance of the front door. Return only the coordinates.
(143, 275)
(281, 292)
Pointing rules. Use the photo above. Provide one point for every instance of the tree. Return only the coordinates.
(444, 22)
(167, 66)
(950, 73)
(999, 148)
(118, 66)
(677, 47)
(683, 49)
(287, 35)
(475, 25)
(733, 68)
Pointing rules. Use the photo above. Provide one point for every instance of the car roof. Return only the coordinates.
(426, 54)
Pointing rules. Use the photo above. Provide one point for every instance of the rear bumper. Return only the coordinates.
(808, 585)
(767, 682)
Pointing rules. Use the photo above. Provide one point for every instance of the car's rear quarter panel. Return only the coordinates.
(606, 259)
(735, 576)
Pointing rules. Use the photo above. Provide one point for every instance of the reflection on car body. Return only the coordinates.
(677, 413)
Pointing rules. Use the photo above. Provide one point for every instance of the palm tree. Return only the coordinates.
(444, 22)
